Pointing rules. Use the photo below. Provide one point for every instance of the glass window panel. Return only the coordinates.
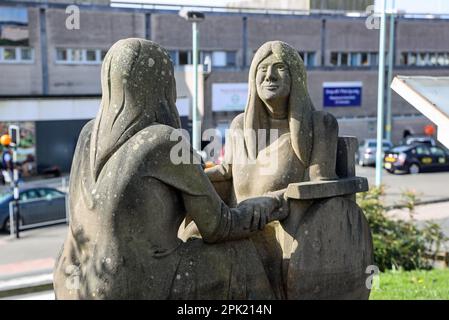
(206, 55)
(91, 55)
(103, 54)
(374, 59)
(231, 58)
(404, 58)
(355, 59)
(183, 57)
(9, 54)
(437, 151)
(423, 151)
(441, 59)
(334, 58)
(61, 54)
(412, 59)
(76, 55)
(364, 59)
(423, 59)
(301, 54)
(310, 59)
(343, 59)
(219, 59)
(433, 59)
(173, 56)
(26, 54)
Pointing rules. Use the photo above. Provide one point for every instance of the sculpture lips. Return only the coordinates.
(271, 87)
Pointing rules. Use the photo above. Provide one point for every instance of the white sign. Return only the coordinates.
(229, 96)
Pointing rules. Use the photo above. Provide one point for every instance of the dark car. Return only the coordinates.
(37, 205)
(416, 158)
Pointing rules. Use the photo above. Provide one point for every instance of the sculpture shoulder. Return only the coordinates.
(157, 137)
(326, 119)
(238, 122)
(86, 131)
(84, 138)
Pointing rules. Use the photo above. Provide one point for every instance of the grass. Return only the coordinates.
(412, 285)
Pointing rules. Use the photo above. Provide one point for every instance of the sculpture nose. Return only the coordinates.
(271, 74)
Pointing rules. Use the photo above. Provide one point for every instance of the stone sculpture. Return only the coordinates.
(276, 220)
(127, 200)
(324, 247)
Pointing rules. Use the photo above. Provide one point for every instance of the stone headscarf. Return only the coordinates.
(300, 106)
(138, 89)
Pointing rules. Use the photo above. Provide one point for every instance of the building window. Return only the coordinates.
(220, 59)
(231, 58)
(423, 59)
(9, 54)
(26, 54)
(16, 55)
(308, 57)
(184, 57)
(61, 55)
(334, 58)
(79, 56)
(76, 55)
(353, 59)
(91, 55)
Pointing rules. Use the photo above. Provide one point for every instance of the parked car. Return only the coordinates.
(37, 205)
(366, 154)
(416, 158)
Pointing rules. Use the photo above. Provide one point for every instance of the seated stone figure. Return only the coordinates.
(302, 150)
(127, 200)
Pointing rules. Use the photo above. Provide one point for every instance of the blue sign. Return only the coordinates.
(342, 94)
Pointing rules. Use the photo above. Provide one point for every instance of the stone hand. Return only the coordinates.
(264, 210)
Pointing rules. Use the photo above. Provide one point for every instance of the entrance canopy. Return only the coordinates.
(430, 96)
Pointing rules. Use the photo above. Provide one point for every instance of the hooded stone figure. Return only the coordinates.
(303, 147)
(127, 199)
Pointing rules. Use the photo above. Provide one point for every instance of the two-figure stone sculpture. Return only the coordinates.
(289, 231)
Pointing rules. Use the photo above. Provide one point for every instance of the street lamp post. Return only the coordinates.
(380, 96)
(388, 124)
(195, 17)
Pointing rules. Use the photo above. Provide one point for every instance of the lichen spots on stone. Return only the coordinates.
(151, 62)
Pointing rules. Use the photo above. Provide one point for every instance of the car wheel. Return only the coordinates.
(413, 168)
(361, 163)
(7, 225)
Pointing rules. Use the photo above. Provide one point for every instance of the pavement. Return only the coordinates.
(429, 186)
(31, 258)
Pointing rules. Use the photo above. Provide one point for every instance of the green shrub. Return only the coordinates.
(398, 243)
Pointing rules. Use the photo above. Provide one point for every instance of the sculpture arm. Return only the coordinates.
(215, 220)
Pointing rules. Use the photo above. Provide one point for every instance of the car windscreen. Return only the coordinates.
(4, 196)
(374, 144)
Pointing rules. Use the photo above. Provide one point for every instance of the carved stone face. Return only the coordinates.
(273, 79)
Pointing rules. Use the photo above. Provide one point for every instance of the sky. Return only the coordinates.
(418, 6)
(410, 6)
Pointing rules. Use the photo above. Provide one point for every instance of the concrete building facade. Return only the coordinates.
(336, 48)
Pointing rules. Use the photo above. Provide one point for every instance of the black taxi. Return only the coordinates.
(416, 158)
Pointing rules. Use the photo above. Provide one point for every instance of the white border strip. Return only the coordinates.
(343, 84)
